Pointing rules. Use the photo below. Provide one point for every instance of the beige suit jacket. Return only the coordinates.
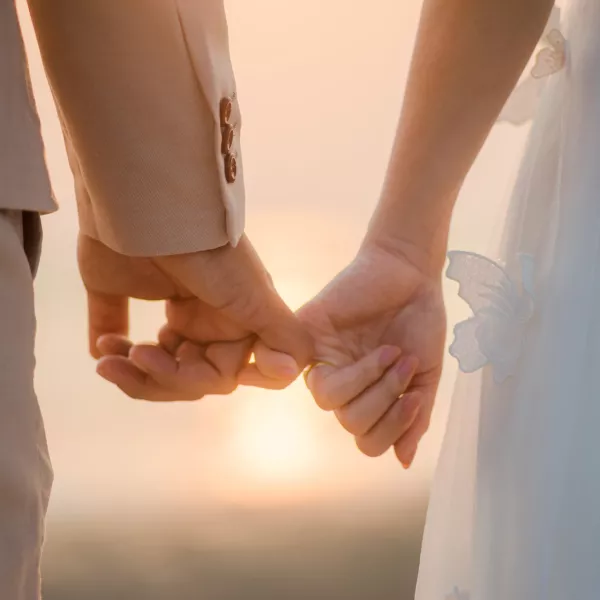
(147, 100)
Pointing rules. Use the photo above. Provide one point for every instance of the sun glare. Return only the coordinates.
(273, 440)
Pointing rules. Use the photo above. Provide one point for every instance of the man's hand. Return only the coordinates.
(379, 330)
(222, 298)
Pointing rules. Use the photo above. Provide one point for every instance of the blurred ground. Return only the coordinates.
(301, 553)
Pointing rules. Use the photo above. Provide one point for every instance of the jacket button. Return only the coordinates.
(230, 168)
(228, 134)
(225, 109)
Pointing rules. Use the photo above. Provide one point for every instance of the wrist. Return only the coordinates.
(422, 242)
(413, 215)
(428, 261)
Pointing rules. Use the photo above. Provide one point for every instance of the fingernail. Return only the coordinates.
(388, 355)
(409, 461)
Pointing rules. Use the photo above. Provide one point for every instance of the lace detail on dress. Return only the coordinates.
(457, 594)
(501, 308)
(550, 59)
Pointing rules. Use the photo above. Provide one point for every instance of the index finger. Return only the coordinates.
(107, 314)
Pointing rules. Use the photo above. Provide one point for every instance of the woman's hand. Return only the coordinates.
(379, 332)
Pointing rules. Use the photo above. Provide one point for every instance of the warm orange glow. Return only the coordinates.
(273, 443)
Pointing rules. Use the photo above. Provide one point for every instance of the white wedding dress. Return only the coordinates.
(515, 506)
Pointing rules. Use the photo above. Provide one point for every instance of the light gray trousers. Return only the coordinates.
(25, 470)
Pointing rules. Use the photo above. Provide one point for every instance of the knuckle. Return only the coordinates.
(370, 446)
(180, 316)
(226, 386)
(393, 385)
(318, 389)
(350, 420)
(251, 309)
(373, 369)
(207, 381)
(322, 402)
(136, 393)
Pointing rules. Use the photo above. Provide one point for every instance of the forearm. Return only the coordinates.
(468, 57)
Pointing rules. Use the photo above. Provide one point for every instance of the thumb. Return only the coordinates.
(283, 339)
(234, 281)
(107, 313)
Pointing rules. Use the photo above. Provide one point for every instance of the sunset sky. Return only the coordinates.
(320, 86)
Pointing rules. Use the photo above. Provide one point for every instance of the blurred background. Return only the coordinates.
(258, 495)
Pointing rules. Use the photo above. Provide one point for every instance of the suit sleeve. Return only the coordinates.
(147, 100)
(24, 181)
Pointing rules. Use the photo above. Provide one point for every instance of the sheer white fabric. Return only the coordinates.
(550, 58)
(515, 506)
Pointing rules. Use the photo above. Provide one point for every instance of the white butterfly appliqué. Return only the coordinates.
(550, 59)
(457, 594)
(501, 308)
